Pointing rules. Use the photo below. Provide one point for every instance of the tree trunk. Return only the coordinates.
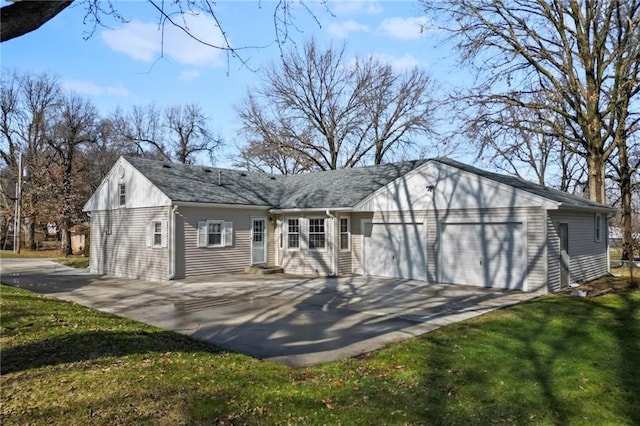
(625, 197)
(66, 241)
(596, 173)
(29, 233)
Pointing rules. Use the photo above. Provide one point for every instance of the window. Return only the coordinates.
(598, 227)
(215, 233)
(293, 233)
(345, 234)
(157, 234)
(122, 191)
(317, 237)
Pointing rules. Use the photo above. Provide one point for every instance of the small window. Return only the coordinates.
(345, 234)
(293, 233)
(317, 236)
(598, 227)
(214, 234)
(122, 191)
(157, 234)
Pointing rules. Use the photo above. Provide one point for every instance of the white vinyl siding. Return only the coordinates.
(229, 259)
(306, 261)
(121, 247)
(587, 259)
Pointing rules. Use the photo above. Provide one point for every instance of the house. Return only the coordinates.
(435, 220)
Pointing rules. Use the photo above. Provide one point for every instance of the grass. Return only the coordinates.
(554, 360)
(73, 261)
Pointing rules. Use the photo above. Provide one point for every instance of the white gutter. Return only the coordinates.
(334, 254)
(315, 209)
(224, 206)
(172, 243)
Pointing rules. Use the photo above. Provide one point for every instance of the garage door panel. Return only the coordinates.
(394, 250)
(483, 254)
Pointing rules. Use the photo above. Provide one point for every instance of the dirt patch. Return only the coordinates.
(606, 285)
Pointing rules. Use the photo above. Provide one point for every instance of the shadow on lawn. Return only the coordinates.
(552, 352)
(78, 347)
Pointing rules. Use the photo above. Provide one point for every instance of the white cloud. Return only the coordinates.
(189, 75)
(144, 41)
(352, 7)
(344, 28)
(400, 63)
(404, 28)
(89, 88)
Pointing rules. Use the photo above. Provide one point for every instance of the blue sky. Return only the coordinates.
(123, 65)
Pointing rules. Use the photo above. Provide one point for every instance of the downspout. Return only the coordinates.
(172, 243)
(334, 254)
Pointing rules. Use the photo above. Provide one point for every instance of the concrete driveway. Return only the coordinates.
(291, 320)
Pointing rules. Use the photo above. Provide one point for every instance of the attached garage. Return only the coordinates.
(487, 254)
(394, 250)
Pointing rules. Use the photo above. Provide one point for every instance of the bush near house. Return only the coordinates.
(554, 360)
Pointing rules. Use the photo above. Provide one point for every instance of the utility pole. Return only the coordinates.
(18, 208)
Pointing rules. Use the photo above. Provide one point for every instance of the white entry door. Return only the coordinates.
(258, 241)
(395, 250)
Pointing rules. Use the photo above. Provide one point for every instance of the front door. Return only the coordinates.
(563, 232)
(258, 241)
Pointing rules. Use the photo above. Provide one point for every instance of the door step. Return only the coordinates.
(263, 270)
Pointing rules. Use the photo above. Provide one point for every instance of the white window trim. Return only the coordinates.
(151, 234)
(226, 233)
(597, 227)
(340, 233)
(324, 221)
(286, 234)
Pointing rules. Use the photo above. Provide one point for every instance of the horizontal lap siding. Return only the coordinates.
(553, 255)
(123, 251)
(309, 262)
(588, 259)
(356, 241)
(204, 260)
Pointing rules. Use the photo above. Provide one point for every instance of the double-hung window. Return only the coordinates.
(345, 234)
(157, 233)
(215, 233)
(317, 234)
(293, 233)
(122, 193)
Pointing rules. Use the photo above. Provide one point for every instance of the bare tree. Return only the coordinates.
(178, 133)
(328, 112)
(586, 53)
(189, 133)
(74, 128)
(28, 101)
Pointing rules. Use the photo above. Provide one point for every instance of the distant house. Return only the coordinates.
(434, 220)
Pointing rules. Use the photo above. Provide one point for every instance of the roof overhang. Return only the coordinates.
(596, 209)
(221, 206)
(313, 210)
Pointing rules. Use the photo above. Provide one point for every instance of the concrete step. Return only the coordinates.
(263, 270)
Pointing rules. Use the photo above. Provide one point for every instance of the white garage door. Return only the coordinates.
(395, 250)
(483, 254)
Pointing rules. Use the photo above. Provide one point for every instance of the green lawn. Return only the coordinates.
(554, 360)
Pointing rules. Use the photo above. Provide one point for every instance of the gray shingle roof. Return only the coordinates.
(566, 199)
(328, 189)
